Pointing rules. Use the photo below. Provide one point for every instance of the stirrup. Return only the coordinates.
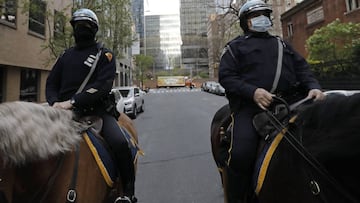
(123, 199)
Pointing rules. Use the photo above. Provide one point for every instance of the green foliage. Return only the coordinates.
(144, 61)
(115, 24)
(143, 64)
(333, 42)
(333, 48)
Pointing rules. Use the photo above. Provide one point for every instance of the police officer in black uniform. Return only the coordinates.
(66, 77)
(247, 72)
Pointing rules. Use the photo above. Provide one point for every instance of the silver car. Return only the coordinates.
(133, 100)
(119, 100)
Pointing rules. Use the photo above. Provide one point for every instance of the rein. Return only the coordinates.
(303, 152)
(71, 195)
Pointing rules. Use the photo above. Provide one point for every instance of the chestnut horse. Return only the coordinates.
(44, 157)
(312, 159)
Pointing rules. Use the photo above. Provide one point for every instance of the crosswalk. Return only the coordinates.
(173, 90)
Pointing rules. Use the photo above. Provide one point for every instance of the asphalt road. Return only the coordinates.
(174, 132)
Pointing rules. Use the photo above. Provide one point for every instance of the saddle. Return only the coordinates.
(267, 122)
(94, 123)
(101, 151)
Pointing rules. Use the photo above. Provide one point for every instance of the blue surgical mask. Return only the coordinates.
(260, 23)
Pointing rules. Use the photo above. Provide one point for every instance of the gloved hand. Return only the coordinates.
(316, 94)
(63, 105)
(263, 98)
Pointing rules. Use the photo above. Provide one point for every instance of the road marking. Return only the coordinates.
(176, 90)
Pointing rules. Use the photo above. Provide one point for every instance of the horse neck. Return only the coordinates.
(7, 177)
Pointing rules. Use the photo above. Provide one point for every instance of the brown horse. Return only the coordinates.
(312, 159)
(44, 158)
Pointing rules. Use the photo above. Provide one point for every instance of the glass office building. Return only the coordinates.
(194, 16)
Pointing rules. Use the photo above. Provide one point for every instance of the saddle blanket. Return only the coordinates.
(103, 157)
(263, 161)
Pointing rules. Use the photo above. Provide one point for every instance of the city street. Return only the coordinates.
(174, 132)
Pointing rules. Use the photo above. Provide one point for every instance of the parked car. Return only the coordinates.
(119, 100)
(219, 90)
(208, 86)
(133, 100)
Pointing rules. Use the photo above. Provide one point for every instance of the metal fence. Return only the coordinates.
(338, 74)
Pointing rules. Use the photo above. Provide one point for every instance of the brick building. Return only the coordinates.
(300, 22)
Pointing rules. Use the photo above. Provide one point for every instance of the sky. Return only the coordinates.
(157, 7)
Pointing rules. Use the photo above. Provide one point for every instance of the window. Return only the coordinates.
(352, 4)
(29, 85)
(8, 11)
(59, 24)
(290, 29)
(37, 12)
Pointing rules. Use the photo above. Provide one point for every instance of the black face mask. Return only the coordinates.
(84, 36)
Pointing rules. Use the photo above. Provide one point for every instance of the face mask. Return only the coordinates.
(83, 34)
(260, 23)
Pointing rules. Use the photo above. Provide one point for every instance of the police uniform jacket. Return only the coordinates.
(69, 72)
(250, 62)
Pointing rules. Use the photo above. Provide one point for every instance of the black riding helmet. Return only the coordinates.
(86, 15)
(252, 6)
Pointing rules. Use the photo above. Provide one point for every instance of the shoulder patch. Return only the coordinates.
(109, 56)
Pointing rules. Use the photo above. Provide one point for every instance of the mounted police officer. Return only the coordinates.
(68, 74)
(255, 67)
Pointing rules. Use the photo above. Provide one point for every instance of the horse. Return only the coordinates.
(312, 158)
(44, 156)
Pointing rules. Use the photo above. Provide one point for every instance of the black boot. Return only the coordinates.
(127, 174)
(129, 190)
(236, 186)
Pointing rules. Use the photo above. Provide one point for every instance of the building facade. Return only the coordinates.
(194, 16)
(279, 7)
(300, 22)
(163, 40)
(24, 62)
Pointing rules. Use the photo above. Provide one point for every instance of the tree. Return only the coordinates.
(115, 24)
(226, 27)
(114, 19)
(143, 64)
(336, 41)
(334, 47)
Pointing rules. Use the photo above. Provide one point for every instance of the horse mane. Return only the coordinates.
(30, 131)
(330, 128)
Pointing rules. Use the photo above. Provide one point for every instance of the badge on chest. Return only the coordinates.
(90, 60)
